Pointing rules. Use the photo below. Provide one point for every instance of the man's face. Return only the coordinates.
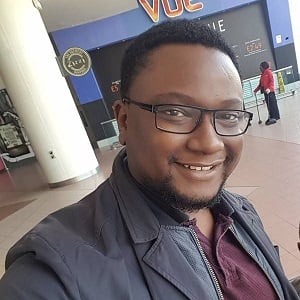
(188, 75)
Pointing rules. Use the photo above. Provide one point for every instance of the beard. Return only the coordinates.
(167, 193)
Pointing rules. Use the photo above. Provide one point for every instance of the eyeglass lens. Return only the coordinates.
(180, 119)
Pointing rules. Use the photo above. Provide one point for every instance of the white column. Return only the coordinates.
(294, 13)
(41, 96)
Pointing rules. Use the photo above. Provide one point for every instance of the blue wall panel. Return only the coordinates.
(86, 87)
(126, 25)
(129, 24)
(102, 32)
(279, 16)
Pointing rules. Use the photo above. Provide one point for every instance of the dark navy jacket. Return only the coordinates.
(114, 245)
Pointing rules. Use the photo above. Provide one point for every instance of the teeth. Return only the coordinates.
(198, 168)
(206, 168)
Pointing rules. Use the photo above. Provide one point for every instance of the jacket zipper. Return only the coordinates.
(208, 265)
(231, 228)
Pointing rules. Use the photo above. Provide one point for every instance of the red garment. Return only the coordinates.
(266, 81)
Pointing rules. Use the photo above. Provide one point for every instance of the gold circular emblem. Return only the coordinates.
(76, 61)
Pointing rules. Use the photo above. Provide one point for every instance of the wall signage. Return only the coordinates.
(169, 9)
(76, 61)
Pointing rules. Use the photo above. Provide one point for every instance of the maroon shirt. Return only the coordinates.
(239, 276)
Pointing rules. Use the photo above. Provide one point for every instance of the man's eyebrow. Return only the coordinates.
(180, 98)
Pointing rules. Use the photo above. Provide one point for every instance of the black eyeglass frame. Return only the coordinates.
(154, 108)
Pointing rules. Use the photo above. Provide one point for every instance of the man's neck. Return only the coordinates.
(205, 222)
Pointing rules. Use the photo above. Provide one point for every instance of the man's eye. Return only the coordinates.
(174, 113)
(232, 116)
(229, 116)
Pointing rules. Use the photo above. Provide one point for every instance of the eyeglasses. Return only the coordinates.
(183, 119)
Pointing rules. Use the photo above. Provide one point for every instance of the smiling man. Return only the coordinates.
(196, 99)
(162, 226)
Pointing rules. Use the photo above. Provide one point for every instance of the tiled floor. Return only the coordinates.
(268, 174)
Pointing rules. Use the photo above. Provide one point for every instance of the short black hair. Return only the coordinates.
(265, 65)
(181, 31)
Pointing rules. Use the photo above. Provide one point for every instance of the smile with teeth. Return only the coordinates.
(198, 168)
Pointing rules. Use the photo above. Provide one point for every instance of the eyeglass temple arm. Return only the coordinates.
(144, 106)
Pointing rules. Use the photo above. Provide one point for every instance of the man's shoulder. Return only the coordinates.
(71, 250)
(83, 216)
(70, 228)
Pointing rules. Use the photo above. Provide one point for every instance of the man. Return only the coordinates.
(267, 86)
(162, 226)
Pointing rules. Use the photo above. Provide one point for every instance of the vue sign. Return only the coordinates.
(181, 5)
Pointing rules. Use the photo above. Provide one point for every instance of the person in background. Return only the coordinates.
(162, 226)
(267, 87)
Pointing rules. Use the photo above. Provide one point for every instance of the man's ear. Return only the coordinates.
(120, 111)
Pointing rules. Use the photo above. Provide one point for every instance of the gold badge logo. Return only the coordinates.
(76, 61)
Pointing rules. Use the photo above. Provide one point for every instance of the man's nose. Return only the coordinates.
(204, 138)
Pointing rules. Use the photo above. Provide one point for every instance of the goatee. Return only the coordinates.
(168, 195)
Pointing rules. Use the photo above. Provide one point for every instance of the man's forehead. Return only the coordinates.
(179, 54)
(171, 73)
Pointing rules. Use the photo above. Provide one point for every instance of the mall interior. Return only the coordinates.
(58, 136)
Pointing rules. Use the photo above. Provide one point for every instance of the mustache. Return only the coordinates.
(172, 159)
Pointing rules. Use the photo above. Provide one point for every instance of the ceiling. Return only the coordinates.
(59, 14)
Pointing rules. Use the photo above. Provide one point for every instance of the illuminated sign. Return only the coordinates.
(181, 5)
(254, 47)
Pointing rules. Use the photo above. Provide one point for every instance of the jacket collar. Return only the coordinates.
(143, 216)
(144, 225)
